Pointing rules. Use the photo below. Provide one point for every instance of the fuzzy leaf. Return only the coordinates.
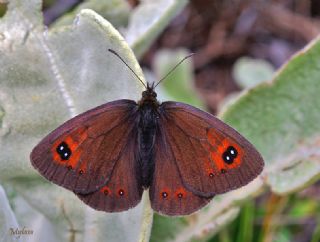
(281, 118)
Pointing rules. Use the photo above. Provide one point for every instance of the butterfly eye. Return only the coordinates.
(154, 94)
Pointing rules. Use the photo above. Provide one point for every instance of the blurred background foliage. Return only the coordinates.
(239, 45)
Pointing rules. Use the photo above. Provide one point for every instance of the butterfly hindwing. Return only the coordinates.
(211, 157)
(81, 154)
(168, 195)
(124, 189)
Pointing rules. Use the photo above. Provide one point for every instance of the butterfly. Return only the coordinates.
(110, 154)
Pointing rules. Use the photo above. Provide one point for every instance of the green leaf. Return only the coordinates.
(249, 72)
(281, 118)
(165, 229)
(115, 11)
(148, 20)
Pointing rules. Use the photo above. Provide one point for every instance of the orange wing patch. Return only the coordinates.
(66, 151)
(224, 153)
(180, 193)
(106, 191)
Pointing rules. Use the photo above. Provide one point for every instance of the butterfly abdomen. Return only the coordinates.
(146, 140)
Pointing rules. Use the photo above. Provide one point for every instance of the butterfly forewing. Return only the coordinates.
(211, 157)
(168, 195)
(81, 154)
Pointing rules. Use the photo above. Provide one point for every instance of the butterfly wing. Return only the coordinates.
(124, 189)
(81, 154)
(168, 194)
(210, 156)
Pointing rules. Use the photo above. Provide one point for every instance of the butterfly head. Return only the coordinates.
(149, 96)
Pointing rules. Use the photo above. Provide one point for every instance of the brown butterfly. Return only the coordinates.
(108, 155)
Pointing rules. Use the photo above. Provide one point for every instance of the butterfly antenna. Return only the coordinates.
(172, 70)
(116, 54)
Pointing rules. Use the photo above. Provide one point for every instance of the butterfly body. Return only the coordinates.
(108, 155)
(147, 128)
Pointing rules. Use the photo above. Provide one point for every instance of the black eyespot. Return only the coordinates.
(80, 172)
(211, 175)
(64, 151)
(164, 194)
(106, 192)
(229, 155)
(223, 171)
(180, 195)
(69, 168)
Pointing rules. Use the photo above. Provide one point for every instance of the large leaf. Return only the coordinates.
(281, 118)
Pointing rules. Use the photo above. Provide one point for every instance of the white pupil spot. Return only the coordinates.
(61, 147)
(65, 154)
(232, 152)
(227, 157)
